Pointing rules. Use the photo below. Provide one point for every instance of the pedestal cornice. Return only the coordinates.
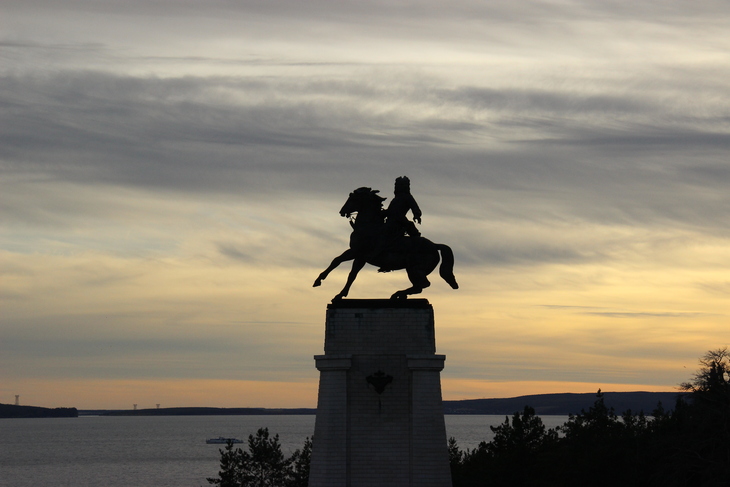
(419, 303)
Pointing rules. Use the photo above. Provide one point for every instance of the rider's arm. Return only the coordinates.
(416, 210)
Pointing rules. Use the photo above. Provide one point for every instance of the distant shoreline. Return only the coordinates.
(13, 411)
(543, 404)
(199, 411)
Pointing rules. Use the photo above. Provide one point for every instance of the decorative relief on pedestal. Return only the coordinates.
(379, 380)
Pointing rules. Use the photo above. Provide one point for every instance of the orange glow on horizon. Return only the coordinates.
(122, 394)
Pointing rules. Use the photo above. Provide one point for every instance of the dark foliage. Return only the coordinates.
(299, 472)
(509, 458)
(263, 464)
(687, 447)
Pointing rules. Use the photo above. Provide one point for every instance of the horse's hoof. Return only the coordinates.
(317, 283)
(399, 295)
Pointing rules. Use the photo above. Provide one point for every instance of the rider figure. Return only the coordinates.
(397, 225)
(397, 222)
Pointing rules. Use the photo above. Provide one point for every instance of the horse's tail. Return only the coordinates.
(446, 270)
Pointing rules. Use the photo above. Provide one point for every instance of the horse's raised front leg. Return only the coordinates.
(343, 257)
(357, 265)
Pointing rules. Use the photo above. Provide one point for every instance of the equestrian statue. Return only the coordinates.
(387, 239)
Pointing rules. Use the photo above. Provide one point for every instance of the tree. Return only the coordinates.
(300, 461)
(705, 424)
(599, 422)
(522, 438)
(513, 458)
(263, 464)
(230, 474)
(599, 441)
(713, 377)
(518, 448)
(456, 461)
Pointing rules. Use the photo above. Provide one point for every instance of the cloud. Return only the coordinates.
(226, 134)
(644, 314)
(234, 252)
(168, 197)
(722, 287)
(589, 310)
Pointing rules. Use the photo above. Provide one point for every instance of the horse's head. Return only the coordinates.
(362, 199)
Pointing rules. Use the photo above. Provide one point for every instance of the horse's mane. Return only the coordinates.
(371, 194)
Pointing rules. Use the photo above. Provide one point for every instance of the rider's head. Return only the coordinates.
(402, 185)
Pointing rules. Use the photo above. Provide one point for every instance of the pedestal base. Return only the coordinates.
(380, 418)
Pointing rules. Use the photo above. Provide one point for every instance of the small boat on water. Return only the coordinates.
(221, 440)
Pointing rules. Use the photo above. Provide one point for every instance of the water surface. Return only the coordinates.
(161, 451)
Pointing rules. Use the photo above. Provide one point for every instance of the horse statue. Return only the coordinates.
(375, 242)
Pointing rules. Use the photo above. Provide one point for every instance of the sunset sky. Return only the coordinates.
(171, 173)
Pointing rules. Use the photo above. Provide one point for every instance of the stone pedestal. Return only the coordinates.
(380, 419)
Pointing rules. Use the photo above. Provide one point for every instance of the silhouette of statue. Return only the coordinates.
(374, 241)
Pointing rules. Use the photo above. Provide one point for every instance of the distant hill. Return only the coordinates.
(564, 404)
(544, 404)
(13, 411)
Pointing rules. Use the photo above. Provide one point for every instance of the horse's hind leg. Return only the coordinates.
(418, 279)
(343, 257)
